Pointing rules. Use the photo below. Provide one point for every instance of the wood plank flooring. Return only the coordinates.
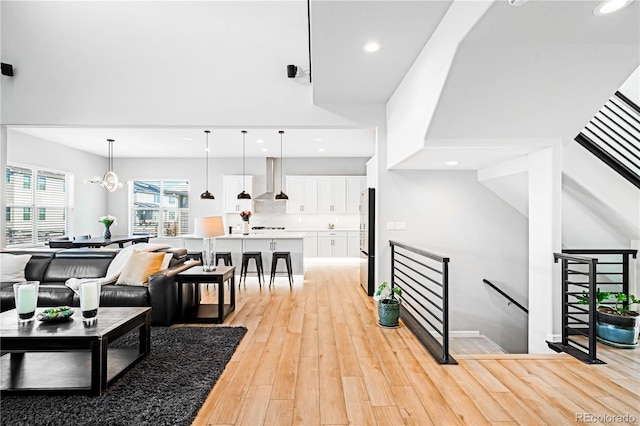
(314, 355)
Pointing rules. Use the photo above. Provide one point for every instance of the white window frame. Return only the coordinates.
(160, 209)
(68, 202)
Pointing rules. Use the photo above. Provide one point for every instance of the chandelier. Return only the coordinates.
(110, 180)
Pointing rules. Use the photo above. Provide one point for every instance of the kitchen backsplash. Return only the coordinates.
(293, 221)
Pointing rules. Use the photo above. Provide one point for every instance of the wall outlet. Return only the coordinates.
(391, 225)
(401, 225)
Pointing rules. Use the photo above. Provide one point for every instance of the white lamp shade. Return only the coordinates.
(208, 227)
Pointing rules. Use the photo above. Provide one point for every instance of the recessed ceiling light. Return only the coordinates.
(207, 149)
(371, 46)
(259, 141)
(451, 163)
(320, 149)
(610, 6)
(264, 150)
(317, 139)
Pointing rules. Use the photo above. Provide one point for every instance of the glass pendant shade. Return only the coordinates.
(244, 195)
(281, 195)
(206, 195)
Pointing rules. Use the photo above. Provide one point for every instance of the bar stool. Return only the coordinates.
(225, 256)
(286, 256)
(257, 258)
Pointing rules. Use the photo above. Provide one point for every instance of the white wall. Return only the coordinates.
(453, 215)
(90, 200)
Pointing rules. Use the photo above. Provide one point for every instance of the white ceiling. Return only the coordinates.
(517, 71)
(190, 142)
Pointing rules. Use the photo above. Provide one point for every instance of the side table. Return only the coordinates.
(207, 312)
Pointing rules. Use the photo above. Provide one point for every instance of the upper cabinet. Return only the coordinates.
(332, 194)
(303, 194)
(355, 185)
(232, 187)
(324, 194)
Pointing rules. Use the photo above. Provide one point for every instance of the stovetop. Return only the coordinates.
(268, 228)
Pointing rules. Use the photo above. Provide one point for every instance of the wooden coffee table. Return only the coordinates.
(69, 356)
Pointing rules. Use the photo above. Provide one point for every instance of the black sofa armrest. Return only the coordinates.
(163, 292)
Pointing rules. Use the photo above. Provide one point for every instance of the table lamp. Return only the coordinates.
(208, 228)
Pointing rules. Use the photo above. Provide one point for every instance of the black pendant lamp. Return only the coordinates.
(281, 195)
(206, 195)
(243, 195)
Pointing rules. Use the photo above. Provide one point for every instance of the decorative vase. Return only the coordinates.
(245, 227)
(389, 312)
(618, 331)
(107, 232)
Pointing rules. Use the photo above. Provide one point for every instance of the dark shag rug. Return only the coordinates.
(168, 387)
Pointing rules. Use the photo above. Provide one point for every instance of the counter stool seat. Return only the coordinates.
(257, 258)
(225, 256)
(286, 256)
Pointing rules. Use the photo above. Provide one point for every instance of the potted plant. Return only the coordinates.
(388, 299)
(245, 215)
(616, 325)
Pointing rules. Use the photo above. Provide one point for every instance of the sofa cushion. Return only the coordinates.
(139, 267)
(76, 263)
(12, 267)
(122, 295)
(55, 294)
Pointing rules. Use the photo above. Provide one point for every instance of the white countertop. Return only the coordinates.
(265, 236)
(321, 229)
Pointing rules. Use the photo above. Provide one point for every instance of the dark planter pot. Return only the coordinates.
(388, 312)
(617, 330)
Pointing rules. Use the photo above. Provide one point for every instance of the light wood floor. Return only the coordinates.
(314, 355)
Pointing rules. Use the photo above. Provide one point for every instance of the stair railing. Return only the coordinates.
(578, 319)
(613, 135)
(505, 295)
(423, 278)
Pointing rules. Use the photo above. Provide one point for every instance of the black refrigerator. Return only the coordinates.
(367, 240)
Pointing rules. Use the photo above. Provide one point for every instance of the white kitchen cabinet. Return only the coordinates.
(267, 247)
(303, 194)
(332, 194)
(332, 244)
(355, 185)
(353, 244)
(311, 244)
(232, 186)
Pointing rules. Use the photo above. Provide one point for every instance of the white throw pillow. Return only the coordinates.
(12, 267)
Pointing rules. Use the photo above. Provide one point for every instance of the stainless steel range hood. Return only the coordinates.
(267, 203)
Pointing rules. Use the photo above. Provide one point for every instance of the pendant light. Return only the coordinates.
(206, 195)
(281, 195)
(243, 195)
(110, 180)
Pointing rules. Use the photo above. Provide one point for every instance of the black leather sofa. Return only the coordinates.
(53, 267)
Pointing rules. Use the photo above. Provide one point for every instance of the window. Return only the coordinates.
(50, 200)
(160, 207)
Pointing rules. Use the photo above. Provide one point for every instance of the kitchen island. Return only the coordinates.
(266, 243)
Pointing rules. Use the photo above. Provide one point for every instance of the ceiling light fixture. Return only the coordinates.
(110, 180)
(259, 141)
(609, 6)
(451, 163)
(372, 46)
(244, 195)
(281, 195)
(206, 195)
(320, 149)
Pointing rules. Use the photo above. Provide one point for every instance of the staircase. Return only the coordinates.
(613, 135)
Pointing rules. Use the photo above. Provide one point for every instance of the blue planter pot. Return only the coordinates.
(388, 312)
(616, 330)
